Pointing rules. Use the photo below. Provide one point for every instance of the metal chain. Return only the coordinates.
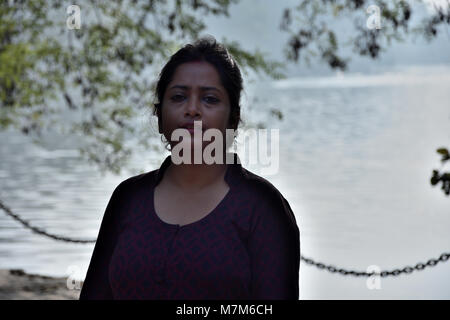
(419, 266)
(40, 231)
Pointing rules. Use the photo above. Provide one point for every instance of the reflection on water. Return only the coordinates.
(356, 155)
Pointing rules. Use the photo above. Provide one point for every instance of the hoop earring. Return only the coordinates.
(166, 143)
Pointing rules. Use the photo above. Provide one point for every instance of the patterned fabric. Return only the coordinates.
(248, 247)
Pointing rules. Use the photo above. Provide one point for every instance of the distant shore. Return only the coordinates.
(15, 284)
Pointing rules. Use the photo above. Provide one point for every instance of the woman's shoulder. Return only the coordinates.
(269, 202)
(260, 187)
(136, 183)
(265, 194)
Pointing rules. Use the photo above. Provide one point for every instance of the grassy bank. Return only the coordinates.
(15, 284)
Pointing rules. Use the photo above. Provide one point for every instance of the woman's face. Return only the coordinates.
(195, 93)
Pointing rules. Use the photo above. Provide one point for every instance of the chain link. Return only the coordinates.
(407, 270)
(40, 231)
(419, 266)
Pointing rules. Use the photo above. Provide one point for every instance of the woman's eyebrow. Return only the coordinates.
(177, 86)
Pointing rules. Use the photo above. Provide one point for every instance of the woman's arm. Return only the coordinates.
(274, 247)
(96, 284)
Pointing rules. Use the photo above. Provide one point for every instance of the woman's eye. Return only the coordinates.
(177, 98)
(211, 100)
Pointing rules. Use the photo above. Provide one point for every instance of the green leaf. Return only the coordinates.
(443, 151)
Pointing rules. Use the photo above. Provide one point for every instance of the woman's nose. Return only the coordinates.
(193, 108)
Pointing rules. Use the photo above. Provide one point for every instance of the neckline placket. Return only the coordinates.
(161, 276)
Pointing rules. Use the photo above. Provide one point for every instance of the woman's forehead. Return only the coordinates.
(198, 73)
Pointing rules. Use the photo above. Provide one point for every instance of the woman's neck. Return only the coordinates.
(195, 177)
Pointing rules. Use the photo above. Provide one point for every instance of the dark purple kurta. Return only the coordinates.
(248, 247)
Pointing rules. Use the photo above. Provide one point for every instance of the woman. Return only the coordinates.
(196, 230)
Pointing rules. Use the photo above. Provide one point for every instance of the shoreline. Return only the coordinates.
(15, 284)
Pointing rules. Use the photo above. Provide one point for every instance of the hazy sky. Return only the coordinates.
(255, 23)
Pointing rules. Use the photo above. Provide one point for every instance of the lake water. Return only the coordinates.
(356, 157)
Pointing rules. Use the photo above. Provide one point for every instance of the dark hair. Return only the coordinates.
(209, 50)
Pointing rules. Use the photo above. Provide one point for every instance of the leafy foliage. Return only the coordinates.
(442, 177)
(101, 77)
(311, 31)
(96, 82)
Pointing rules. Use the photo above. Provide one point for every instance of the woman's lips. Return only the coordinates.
(191, 129)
